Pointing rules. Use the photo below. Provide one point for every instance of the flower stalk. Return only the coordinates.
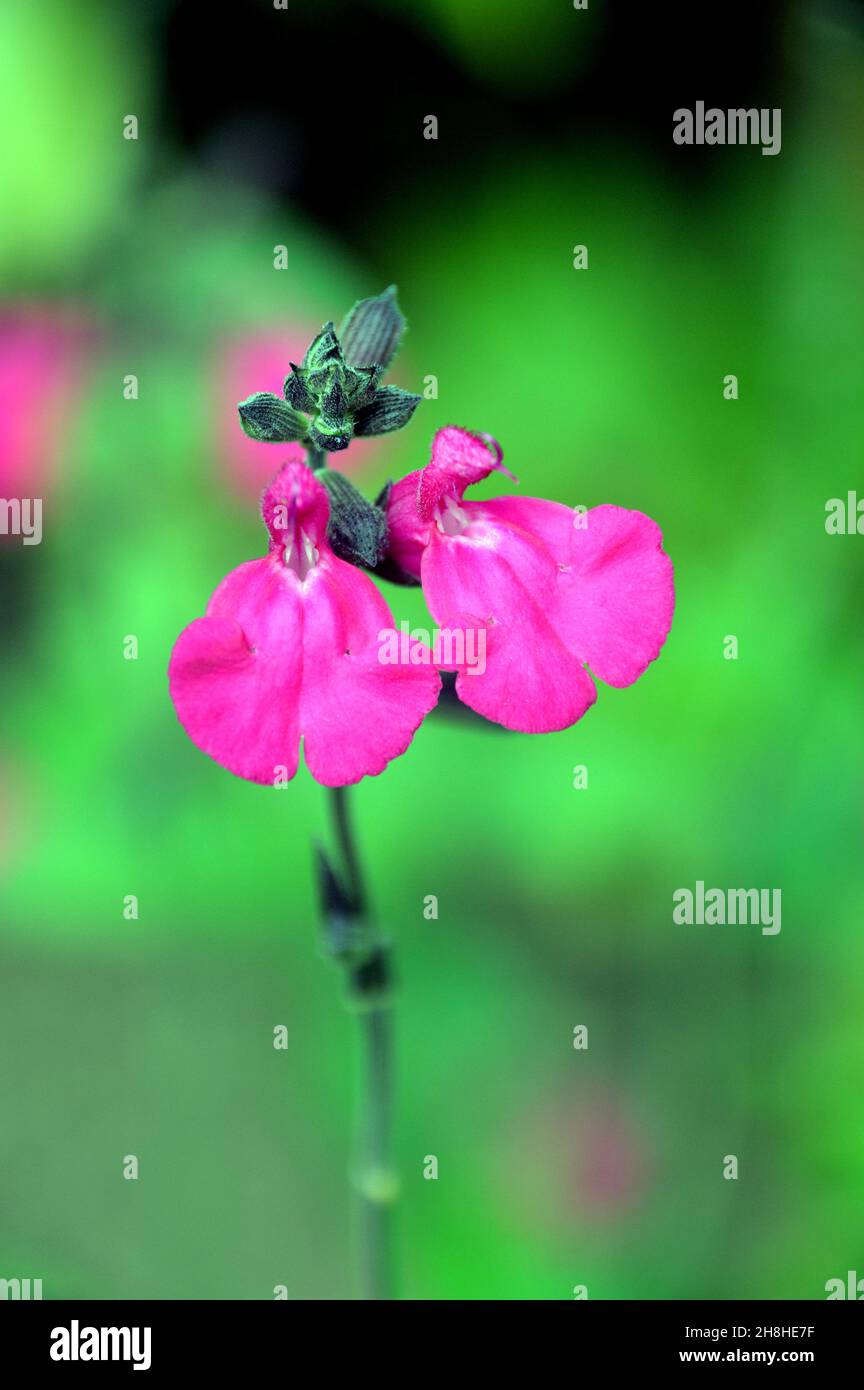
(356, 944)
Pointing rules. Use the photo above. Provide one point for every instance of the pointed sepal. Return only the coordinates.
(361, 383)
(323, 350)
(268, 418)
(296, 390)
(389, 409)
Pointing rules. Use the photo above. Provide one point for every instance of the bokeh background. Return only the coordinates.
(153, 1037)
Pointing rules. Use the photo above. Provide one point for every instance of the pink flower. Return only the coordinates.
(290, 647)
(41, 350)
(554, 591)
(590, 1162)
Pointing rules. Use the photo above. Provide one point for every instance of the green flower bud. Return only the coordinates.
(357, 529)
(372, 330)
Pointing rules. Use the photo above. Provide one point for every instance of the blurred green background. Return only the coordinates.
(154, 258)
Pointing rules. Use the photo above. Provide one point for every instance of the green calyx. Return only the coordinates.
(335, 393)
(357, 529)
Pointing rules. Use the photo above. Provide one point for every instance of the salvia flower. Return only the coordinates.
(289, 648)
(555, 592)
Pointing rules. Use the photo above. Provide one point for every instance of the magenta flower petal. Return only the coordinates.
(549, 522)
(531, 681)
(358, 712)
(290, 647)
(409, 531)
(618, 594)
(235, 674)
(552, 590)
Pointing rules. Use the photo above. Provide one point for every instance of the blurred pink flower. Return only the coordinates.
(40, 371)
(588, 1162)
(260, 361)
(607, 1171)
(290, 647)
(552, 591)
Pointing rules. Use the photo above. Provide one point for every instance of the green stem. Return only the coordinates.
(347, 848)
(375, 1179)
(368, 974)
